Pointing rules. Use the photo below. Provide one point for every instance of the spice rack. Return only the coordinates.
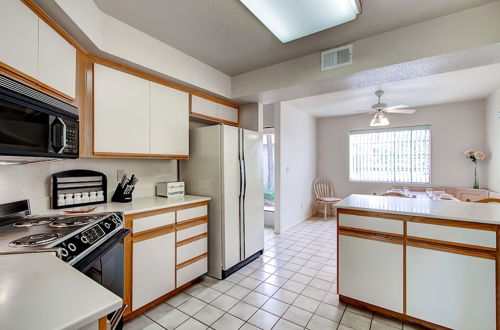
(78, 182)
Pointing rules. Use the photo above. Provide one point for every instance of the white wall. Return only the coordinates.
(456, 127)
(123, 41)
(493, 140)
(466, 29)
(32, 181)
(296, 161)
(268, 115)
(250, 117)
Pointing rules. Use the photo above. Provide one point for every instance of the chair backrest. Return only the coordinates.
(323, 188)
(489, 200)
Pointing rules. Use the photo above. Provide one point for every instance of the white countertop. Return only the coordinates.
(141, 204)
(424, 207)
(40, 291)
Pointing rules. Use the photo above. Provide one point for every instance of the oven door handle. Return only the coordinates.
(117, 317)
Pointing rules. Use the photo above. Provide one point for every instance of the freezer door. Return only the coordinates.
(253, 200)
(231, 228)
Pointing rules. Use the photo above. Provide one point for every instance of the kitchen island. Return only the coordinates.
(426, 261)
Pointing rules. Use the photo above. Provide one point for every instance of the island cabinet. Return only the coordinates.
(435, 272)
(166, 252)
(371, 260)
(33, 50)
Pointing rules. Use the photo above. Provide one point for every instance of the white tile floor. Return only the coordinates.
(292, 286)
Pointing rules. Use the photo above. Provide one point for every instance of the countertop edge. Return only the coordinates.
(439, 214)
(159, 207)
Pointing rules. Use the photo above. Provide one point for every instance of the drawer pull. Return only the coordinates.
(192, 239)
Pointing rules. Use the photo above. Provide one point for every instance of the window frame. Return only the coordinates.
(428, 126)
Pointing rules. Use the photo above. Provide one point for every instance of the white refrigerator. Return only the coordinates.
(225, 163)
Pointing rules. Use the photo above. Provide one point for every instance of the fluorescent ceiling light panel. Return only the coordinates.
(292, 19)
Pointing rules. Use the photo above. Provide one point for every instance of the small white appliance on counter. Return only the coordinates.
(225, 163)
(170, 189)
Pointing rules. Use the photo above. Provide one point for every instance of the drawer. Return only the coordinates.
(191, 271)
(152, 222)
(191, 231)
(371, 223)
(192, 213)
(452, 234)
(191, 250)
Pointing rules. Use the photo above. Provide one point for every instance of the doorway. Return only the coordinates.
(268, 142)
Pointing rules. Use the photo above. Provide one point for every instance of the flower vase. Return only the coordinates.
(476, 181)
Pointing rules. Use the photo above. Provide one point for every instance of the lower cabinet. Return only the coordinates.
(167, 249)
(453, 290)
(371, 271)
(188, 272)
(436, 272)
(153, 268)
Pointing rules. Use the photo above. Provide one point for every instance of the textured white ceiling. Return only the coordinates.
(461, 85)
(225, 35)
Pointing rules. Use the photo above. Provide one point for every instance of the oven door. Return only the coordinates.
(105, 266)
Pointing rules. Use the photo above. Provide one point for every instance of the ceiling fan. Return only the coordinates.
(381, 109)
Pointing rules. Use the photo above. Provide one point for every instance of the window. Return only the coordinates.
(269, 194)
(391, 155)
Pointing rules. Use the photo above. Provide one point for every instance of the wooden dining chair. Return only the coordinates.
(323, 189)
(488, 200)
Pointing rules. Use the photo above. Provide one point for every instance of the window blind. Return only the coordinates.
(391, 155)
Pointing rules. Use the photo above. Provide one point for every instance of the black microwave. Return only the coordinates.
(34, 124)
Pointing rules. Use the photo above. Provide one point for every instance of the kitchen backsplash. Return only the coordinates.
(32, 181)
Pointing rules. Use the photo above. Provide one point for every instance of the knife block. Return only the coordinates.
(120, 196)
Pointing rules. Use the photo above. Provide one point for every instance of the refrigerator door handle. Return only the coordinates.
(242, 177)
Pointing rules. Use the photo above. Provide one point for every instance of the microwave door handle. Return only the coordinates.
(56, 135)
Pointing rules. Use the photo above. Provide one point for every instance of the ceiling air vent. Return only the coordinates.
(336, 57)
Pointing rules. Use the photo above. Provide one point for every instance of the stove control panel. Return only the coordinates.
(75, 247)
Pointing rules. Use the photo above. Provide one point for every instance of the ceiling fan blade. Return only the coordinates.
(398, 106)
(403, 111)
(363, 111)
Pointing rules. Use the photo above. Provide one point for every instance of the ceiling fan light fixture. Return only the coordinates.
(379, 120)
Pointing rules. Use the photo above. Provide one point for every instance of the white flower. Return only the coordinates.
(469, 153)
(479, 155)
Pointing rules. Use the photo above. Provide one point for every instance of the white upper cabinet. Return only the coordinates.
(216, 111)
(121, 112)
(227, 113)
(56, 60)
(169, 120)
(136, 116)
(19, 37)
(32, 47)
(203, 106)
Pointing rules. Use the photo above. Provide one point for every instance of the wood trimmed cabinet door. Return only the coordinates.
(31, 49)
(121, 112)
(169, 119)
(371, 271)
(461, 288)
(56, 60)
(153, 261)
(19, 37)
(206, 109)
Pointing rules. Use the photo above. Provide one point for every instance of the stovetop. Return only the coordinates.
(75, 235)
